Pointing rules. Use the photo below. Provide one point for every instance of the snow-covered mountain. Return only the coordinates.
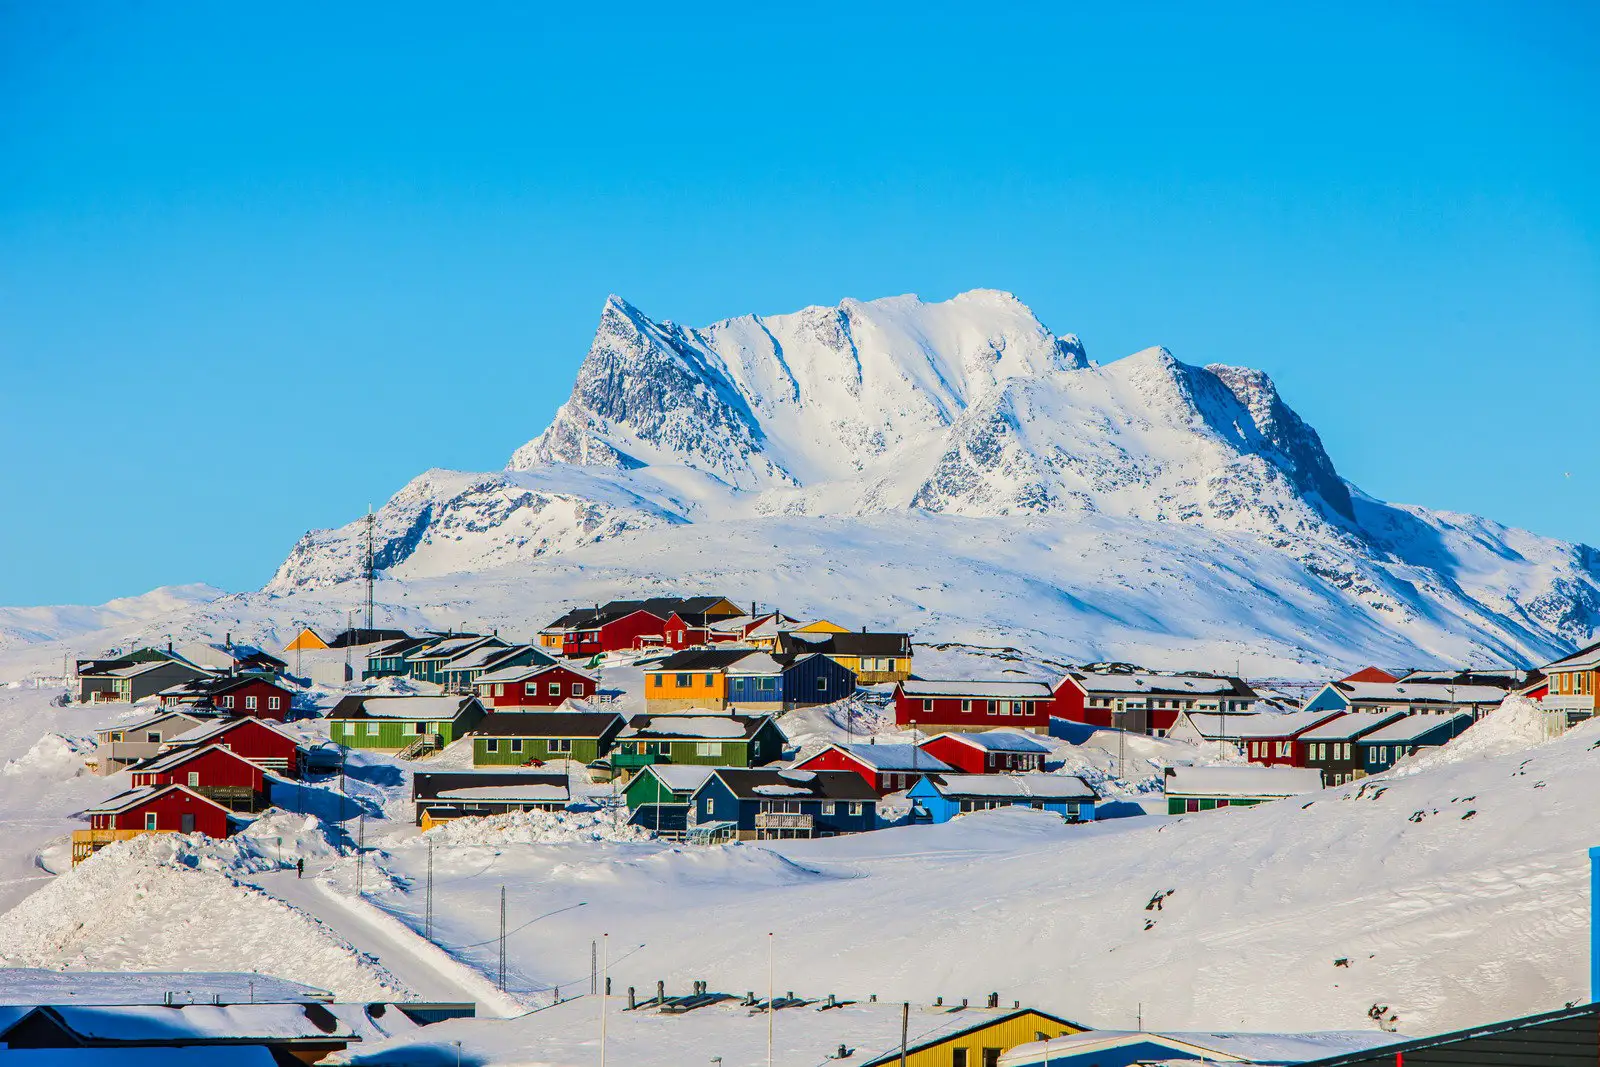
(885, 422)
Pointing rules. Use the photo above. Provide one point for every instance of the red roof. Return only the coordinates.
(1371, 674)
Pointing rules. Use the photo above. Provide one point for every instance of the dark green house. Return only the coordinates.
(390, 660)
(514, 738)
(704, 740)
(396, 723)
(461, 674)
(427, 664)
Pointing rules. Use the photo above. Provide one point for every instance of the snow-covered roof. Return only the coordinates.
(134, 797)
(207, 730)
(1242, 781)
(756, 662)
(150, 720)
(681, 777)
(976, 687)
(1583, 659)
(201, 1022)
(39, 985)
(450, 646)
(178, 757)
(1410, 727)
(403, 707)
(996, 741)
(1189, 1047)
(895, 757)
(1249, 725)
(538, 791)
(522, 674)
(146, 1056)
(134, 669)
(1348, 726)
(1155, 683)
(1014, 786)
(778, 789)
(731, 727)
(478, 657)
(1422, 692)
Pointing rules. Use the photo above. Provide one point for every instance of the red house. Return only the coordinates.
(622, 625)
(990, 752)
(606, 632)
(534, 687)
(236, 694)
(267, 746)
(886, 768)
(1265, 739)
(212, 771)
(1146, 703)
(151, 809)
(974, 705)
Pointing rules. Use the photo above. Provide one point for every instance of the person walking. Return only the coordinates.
(300, 867)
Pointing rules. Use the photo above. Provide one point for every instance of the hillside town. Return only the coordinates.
(708, 722)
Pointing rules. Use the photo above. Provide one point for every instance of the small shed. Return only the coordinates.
(440, 796)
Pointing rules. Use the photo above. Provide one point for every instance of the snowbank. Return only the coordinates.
(1517, 724)
(52, 756)
(536, 827)
(140, 905)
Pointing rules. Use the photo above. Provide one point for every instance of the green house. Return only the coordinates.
(396, 723)
(390, 660)
(665, 783)
(703, 740)
(427, 664)
(514, 738)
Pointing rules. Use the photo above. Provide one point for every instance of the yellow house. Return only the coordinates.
(766, 636)
(307, 640)
(875, 658)
(974, 1037)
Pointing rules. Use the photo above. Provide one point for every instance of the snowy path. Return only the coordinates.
(430, 972)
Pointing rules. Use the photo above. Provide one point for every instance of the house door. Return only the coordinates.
(991, 1057)
(188, 822)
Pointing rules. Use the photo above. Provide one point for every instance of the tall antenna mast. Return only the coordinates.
(369, 567)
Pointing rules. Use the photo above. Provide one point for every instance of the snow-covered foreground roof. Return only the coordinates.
(203, 1022)
(1430, 692)
(680, 777)
(1242, 781)
(706, 726)
(507, 793)
(567, 1035)
(418, 707)
(38, 985)
(1189, 1047)
(998, 741)
(977, 687)
(902, 757)
(1347, 726)
(157, 1056)
(1154, 683)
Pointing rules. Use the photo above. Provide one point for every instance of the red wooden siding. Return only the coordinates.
(935, 712)
(637, 630)
(169, 809)
(515, 694)
(216, 770)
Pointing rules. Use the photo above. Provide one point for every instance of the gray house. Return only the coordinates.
(130, 680)
(124, 745)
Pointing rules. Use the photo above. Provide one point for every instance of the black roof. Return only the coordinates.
(1551, 1039)
(355, 707)
(702, 659)
(694, 609)
(1237, 687)
(745, 783)
(361, 636)
(427, 785)
(547, 724)
(402, 646)
(852, 643)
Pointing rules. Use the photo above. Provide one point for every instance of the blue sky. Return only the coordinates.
(261, 265)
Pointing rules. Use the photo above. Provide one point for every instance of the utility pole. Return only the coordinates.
(604, 996)
(427, 922)
(370, 575)
(772, 1008)
(594, 967)
(361, 848)
(905, 1026)
(502, 939)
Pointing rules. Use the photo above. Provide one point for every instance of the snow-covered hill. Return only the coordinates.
(910, 446)
(23, 626)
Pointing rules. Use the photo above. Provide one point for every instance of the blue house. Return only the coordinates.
(756, 804)
(1388, 745)
(941, 797)
(762, 682)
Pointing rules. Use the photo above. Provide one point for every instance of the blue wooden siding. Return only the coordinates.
(930, 805)
(715, 802)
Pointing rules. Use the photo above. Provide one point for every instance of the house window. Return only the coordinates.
(681, 681)
(927, 705)
(966, 705)
(249, 703)
(149, 820)
(558, 744)
(152, 737)
(116, 735)
(708, 680)
(491, 744)
(711, 805)
(499, 689)
(194, 779)
(708, 748)
(530, 689)
(372, 729)
(855, 808)
(272, 703)
(822, 685)
(227, 702)
(555, 689)
(992, 704)
(577, 689)
(516, 744)
(656, 680)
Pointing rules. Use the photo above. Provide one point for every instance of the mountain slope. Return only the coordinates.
(967, 408)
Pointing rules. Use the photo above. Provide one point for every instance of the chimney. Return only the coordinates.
(633, 1000)
(661, 992)
(227, 640)
(994, 1000)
